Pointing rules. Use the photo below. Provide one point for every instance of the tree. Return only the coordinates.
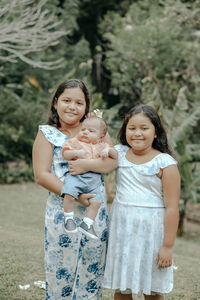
(27, 27)
(152, 53)
(154, 46)
(180, 121)
(26, 87)
(90, 14)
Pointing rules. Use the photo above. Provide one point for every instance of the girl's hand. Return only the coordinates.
(84, 198)
(164, 258)
(78, 166)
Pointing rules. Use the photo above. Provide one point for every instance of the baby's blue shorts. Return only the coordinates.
(89, 182)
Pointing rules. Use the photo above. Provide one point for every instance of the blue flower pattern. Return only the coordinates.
(91, 286)
(93, 268)
(74, 264)
(64, 240)
(59, 217)
(104, 235)
(66, 291)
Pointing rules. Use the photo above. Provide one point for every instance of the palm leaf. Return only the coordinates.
(189, 122)
(193, 150)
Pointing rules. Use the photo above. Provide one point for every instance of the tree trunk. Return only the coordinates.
(180, 231)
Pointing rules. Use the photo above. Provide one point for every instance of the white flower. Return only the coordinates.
(98, 113)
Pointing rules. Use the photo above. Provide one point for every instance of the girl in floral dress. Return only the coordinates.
(74, 264)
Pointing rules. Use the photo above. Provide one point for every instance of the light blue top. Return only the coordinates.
(57, 138)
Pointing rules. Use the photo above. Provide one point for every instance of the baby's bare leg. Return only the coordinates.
(68, 203)
(93, 209)
(69, 223)
(86, 226)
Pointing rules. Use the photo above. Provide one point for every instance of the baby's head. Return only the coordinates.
(93, 130)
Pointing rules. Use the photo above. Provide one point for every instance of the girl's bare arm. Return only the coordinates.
(98, 165)
(171, 193)
(42, 160)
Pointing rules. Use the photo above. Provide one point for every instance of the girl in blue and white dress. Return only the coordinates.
(74, 264)
(144, 215)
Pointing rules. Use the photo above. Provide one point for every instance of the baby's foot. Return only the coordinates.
(88, 230)
(70, 225)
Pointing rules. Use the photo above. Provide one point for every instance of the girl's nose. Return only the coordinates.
(72, 105)
(138, 132)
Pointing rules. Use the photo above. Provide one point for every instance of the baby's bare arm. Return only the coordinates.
(74, 154)
(112, 153)
(109, 152)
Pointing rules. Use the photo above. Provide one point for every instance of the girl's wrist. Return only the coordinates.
(167, 245)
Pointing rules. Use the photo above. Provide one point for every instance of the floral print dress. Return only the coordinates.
(74, 264)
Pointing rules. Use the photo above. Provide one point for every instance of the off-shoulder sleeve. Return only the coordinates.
(121, 149)
(160, 161)
(53, 135)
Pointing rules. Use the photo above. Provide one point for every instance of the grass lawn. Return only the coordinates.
(21, 247)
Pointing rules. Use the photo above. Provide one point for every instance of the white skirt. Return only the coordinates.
(135, 237)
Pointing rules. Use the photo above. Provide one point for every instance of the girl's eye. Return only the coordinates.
(80, 103)
(145, 128)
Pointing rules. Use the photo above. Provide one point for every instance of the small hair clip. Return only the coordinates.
(98, 113)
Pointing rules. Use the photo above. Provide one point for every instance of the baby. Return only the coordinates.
(89, 143)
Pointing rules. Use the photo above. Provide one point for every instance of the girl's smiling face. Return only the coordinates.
(140, 133)
(71, 106)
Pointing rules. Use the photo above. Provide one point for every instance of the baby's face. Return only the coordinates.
(90, 132)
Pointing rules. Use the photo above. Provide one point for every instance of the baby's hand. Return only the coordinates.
(164, 258)
(104, 154)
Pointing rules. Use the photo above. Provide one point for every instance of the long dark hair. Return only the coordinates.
(160, 143)
(68, 84)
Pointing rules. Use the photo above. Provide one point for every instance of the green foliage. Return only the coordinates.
(14, 172)
(153, 53)
(18, 127)
(151, 48)
(180, 122)
(26, 92)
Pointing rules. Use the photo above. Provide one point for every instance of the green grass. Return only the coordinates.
(21, 246)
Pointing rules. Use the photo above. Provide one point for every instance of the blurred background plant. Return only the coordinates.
(126, 51)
